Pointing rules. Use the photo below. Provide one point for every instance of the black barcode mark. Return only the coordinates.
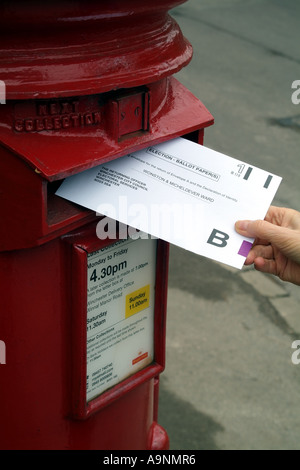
(248, 173)
(268, 181)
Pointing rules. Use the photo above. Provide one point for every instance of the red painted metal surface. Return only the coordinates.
(57, 153)
(86, 82)
(32, 161)
(37, 391)
(71, 48)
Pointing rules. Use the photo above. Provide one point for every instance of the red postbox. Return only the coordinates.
(83, 320)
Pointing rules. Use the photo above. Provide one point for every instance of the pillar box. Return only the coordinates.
(82, 319)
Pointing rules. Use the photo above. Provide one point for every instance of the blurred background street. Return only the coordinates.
(229, 381)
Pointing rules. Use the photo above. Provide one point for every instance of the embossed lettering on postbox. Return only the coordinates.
(55, 115)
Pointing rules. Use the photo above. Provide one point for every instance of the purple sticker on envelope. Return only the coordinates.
(245, 248)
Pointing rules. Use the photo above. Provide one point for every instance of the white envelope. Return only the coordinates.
(181, 192)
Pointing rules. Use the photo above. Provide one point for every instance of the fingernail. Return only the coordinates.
(242, 225)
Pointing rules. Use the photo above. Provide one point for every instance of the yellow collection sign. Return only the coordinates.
(137, 301)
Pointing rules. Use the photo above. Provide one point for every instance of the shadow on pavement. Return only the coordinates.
(187, 427)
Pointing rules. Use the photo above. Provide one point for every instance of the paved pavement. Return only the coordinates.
(229, 381)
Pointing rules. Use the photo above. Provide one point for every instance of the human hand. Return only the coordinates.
(276, 249)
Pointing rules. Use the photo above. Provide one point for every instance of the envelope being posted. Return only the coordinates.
(181, 192)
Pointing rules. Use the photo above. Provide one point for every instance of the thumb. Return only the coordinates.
(258, 229)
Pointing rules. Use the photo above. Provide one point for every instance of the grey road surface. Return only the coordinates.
(229, 381)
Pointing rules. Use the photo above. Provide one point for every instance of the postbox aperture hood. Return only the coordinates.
(61, 137)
